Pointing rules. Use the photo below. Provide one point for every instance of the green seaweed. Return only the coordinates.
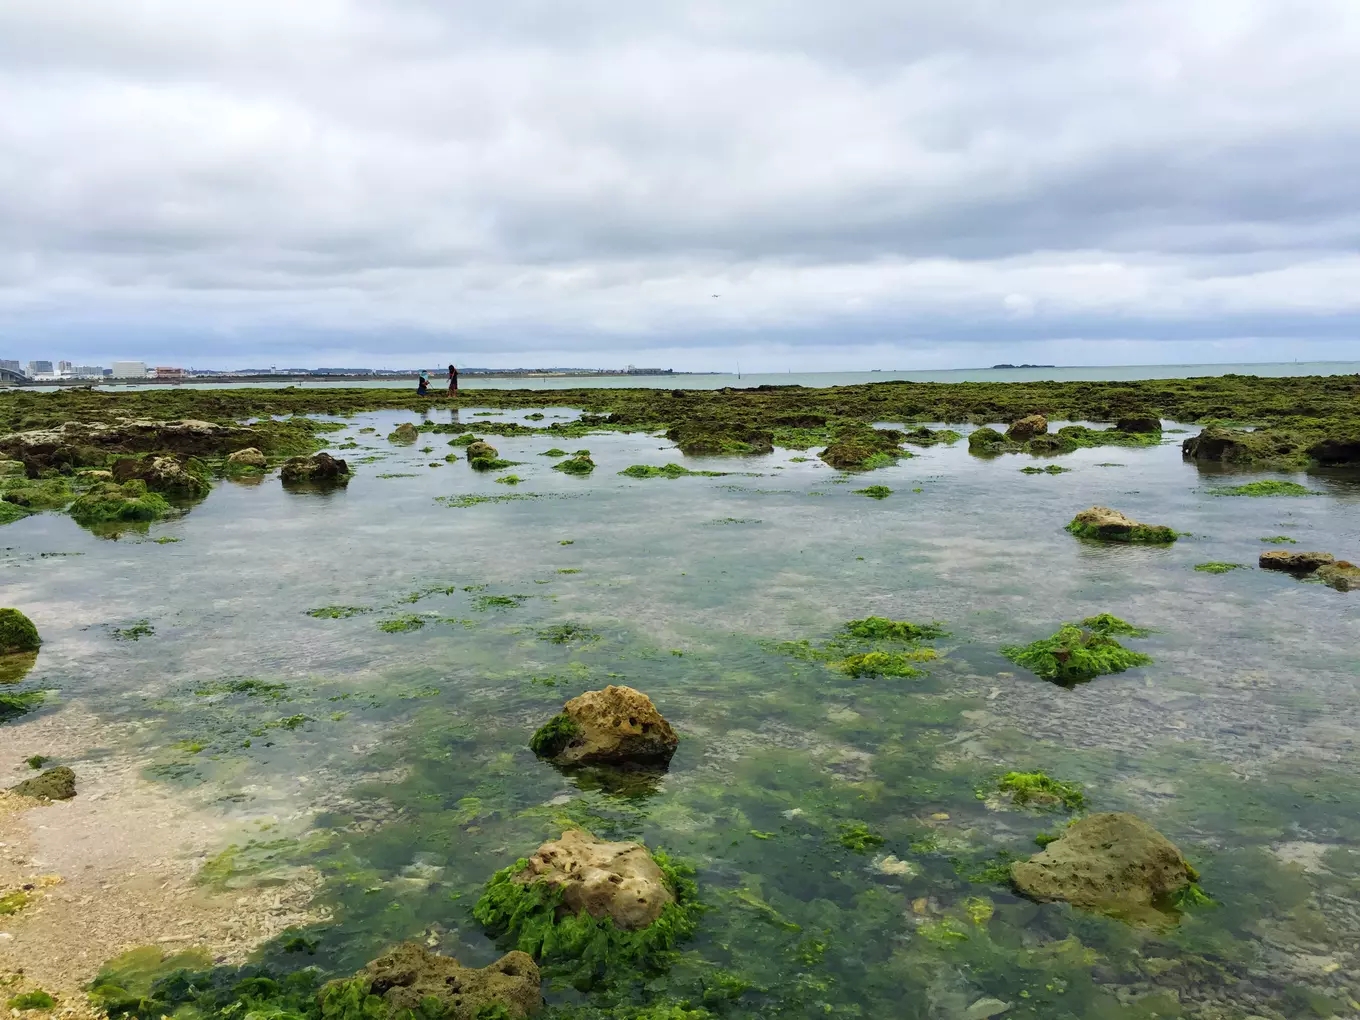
(1218, 567)
(401, 624)
(858, 837)
(554, 452)
(579, 464)
(552, 738)
(875, 492)
(1041, 790)
(509, 479)
(667, 471)
(1077, 653)
(133, 632)
(108, 504)
(490, 463)
(1108, 623)
(880, 628)
(1280, 540)
(337, 612)
(14, 705)
(1268, 487)
(586, 951)
(36, 999)
(37, 761)
(485, 602)
(568, 633)
(17, 633)
(1150, 534)
(899, 664)
(1052, 469)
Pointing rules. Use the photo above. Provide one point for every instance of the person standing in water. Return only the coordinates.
(453, 381)
(423, 386)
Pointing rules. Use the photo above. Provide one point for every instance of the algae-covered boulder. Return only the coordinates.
(17, 633)
(480, 449)
(408, 975)
(162, 474)
(580, 464)
(111, 504)
(615, 726)
(403, 433)
(592, 911)
(1343, 575)
(1342, 447)
(55, 784)
(1080, 651)
(1218, 445)
(720, 439)
(922, 436)
(1027, 428)
(863, 449)
(1139, 423)
(318, 469)
(1106, 525)
(987, 440)
(1113, 862)
(1294, 562)
(249, 459)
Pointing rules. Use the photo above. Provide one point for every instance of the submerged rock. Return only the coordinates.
(988, 440)
(17, 633)
(580, 464)
(1139, 423)
(619, 881)
(480, 449)
(863, 449)
(318, 469)
(55, 784)
(248, 459)
(1342, 575)
(1294, 562)
(1113, 862)
(112, 504)
(408, 974)
(404, 433)
(615, 726)
(1027, 428)
(719, 439)
(1106, 525)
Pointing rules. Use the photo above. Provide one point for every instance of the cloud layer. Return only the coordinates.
(515, 182)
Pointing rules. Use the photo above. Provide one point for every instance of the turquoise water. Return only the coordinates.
(397, 763)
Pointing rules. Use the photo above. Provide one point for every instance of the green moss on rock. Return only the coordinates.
(1077, 652)
(1102, 524)
(1267, 487)
(875, 492)
(36, 999)
(552, 738)
(880, 628)
(17, 633)
(580, 464)
(109, 503)
(1218, 567)
(55, 784)
(1038, 789)
(666, 471)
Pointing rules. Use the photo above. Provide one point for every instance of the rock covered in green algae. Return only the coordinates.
(1139, 423)
(1080, 651)
(164, 474)
(408, 975)
(109, 503)
(863, 449)
(404, 433)
(594, 912)
(578, 465)
(615, 726)
(1328, 443)
(1106, 525)
(1113, 862)
(923, 436)
(1343, 575)
(17, 633)
(1294, 562)
(1027, 428)
(318, 469)
(55, 784)
(705, 438)
(249, 459)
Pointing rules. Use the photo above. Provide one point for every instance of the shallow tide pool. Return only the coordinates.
(383, 741)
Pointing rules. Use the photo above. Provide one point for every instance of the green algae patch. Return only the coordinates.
(586, 951)
(490, 463)
(1101, 524)
(12, 706)
(125, 984)
(552, 738)
(10, 512)
(337, 612)
(858, 837)
(1269, 487)
(1052, 469)
(568, 634)
(1218, 567)
(509, 479)
(923, 436)
(1079, 652)
(401, 624)
(108, 504)
(667, 471)
(554, 452)
(578, 464)
(864, 449)
(1280, 540)
(36, 999)
(900, 664)
(1108, 623)
(875, 492)
(13, 902)
(880, 628)
(133, 631)
(17, 633)
(1037, 789)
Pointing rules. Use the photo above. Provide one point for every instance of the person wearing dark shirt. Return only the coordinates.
(423, 386)
(453, 381)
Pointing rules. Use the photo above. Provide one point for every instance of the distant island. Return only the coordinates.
(1024, 366)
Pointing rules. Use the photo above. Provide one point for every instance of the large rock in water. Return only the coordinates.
(1114, 862)
(1027, 428)
(615, 726)
(250, 457)
(1343, 575)
(1139, 423)
(408, 974)
(54, 784)
(1294, 562)
(73, 442)
(1107, 525)
(404, 433)
(161, 474)
(17, 633)
(318, 469)
(615, 880)
(481, 450)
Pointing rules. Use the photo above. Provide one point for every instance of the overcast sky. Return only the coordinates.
(800, 185)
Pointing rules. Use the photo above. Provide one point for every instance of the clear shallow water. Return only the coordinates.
(397, 763)
(717, 380)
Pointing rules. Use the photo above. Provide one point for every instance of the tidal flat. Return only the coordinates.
(300, 717)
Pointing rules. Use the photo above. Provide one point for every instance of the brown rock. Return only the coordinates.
(1294, 562)
(250, 457)
(408, 974)
(617, 725)
(404, 433)
(318, 469)
(482, 450)
(1342, 575)
(1027, 428)
(615, 880)
(1114, 862)
(54, 784)
(161, 474)
(1139, 423)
